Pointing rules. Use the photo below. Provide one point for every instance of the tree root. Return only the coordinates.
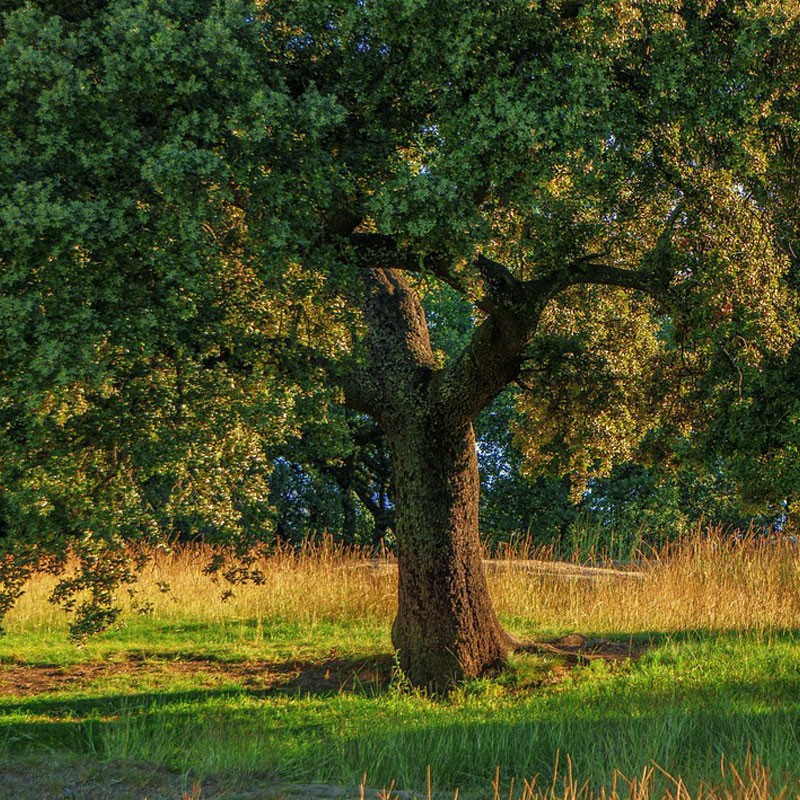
(577, 649)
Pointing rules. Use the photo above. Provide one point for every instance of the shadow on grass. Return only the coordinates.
(679, 708)
(580, 648)
(224, 693)
(30, 689)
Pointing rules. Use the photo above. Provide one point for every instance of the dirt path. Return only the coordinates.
(331, 675)
(42, 778)
(560, 569)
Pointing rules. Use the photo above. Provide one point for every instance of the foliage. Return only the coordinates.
(333, 479)
(136, 396)
(192, 193)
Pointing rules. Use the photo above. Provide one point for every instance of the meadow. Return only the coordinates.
(289, 689)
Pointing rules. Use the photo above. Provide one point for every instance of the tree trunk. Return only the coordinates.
(446, 628)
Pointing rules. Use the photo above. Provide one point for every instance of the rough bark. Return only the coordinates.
(446, 628)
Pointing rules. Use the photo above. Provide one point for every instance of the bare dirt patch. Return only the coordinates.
(559, 569)
(332, 675)
(303, 677)
(576, 649)
(40, 778)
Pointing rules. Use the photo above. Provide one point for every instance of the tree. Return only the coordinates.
(216, 213)
(333, 480)
(755, 433)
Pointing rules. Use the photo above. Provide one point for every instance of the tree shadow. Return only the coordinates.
(84, 723)
(625, 723)
(579, 648)
(31, 689)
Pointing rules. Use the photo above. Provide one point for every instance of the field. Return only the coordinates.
(288, 689)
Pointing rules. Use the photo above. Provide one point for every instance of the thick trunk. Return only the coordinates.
(446, 628)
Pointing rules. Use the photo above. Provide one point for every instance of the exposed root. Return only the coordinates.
(577, 649)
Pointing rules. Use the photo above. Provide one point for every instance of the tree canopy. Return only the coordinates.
(221, 219)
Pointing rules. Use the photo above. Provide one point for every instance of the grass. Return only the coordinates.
(292, 680)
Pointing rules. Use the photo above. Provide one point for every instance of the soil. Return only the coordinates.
(332, 675)
(576, 649)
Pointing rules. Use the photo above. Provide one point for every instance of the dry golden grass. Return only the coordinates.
(325, 582)
(750, 782)
(708, 581)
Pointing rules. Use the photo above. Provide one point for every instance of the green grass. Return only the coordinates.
(689, 701)
(258, 701)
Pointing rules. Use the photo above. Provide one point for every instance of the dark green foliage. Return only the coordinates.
(191, 193)
(126, 359)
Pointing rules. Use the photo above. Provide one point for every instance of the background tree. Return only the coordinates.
(334, 480)
(215, 215)
(754, 434)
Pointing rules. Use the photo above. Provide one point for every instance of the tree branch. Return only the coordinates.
(490, 361)
(654, 281)
(381, 251)
(361, 390)
(587, 272)
(502, 291)
(494, 355)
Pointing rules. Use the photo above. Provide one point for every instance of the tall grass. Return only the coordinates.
(750, 781)
(727, 689)
(317, 582)
(708, 581)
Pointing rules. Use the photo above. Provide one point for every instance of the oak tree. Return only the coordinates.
(221, 217)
